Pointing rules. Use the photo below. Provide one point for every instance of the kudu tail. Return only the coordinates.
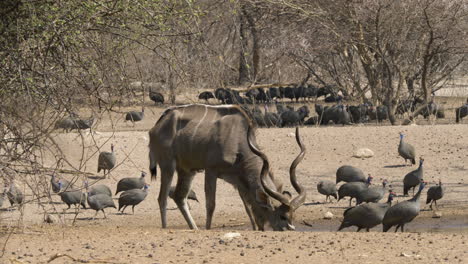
(153, 165)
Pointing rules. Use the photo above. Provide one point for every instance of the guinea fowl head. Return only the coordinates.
(369, 179)
(390, 197)
(146, 187)
(401, 135)
(421, 161)
(422, 185)
(143, 174)
(112, 147)
(384, 182)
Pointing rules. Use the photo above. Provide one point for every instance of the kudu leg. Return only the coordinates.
(183, 187)
(248, 209)
(166, 180)
(210, 196)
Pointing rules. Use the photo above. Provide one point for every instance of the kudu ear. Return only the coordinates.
(263, 200)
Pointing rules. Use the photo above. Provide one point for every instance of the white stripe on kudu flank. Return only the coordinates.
(197, 126)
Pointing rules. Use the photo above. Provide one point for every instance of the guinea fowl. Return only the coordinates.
(435, 193)
(348, 173)
(99, 201)
(403, 212)
(135, 116)
(14, 194)
(126, 184)
(132, 197)
(372, 194)
(353, 189)
(191, 195)
(98, 189)
(413, 178)
(55, 185)
(327, 188)
(106, 160)
(366, 215)
(72, 197)
(406, 150)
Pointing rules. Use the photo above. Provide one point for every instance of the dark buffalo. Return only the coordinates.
(290, 93)
(156, 97)
(274, 93)
(358, 113)
(461, 112)
(378, 113)
(333, 98)
(293, 118)
(205, 95)
(337, 113)
(221, 94)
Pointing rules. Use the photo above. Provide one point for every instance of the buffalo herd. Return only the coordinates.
(339, 113)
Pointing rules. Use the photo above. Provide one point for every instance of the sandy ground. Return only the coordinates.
(138, 238)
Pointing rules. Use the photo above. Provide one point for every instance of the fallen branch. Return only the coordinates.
(59, 255)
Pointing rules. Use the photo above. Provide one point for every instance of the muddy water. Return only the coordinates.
(432, 225)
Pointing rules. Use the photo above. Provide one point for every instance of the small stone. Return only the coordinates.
(328, 216)
(231, 235)
(50, 219)
(437, 214)
(363, 153)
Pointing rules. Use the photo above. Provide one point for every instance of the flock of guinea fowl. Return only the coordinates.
(367, 213)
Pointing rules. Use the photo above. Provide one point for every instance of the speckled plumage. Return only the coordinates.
(366, 215)
(348, 173)
(406, 150)
(413, 178)
(126, 184)
(435, 193)
(327, 188)
(372, 194)
(132, 197)
(106, 160)
(352, 189)
(403, 212)
(99, 202)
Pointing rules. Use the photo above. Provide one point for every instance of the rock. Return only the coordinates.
(291, 134)
(328, 216)
(363, 153)
(50, 219)
(231, 235)
(437, 214)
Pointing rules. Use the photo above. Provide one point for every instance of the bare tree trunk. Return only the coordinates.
(255, 44)
(243, 60)
(428, 55)
(172, 87)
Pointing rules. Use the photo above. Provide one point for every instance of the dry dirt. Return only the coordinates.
(138, 238)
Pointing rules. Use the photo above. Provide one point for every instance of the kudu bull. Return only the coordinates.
(221, 141)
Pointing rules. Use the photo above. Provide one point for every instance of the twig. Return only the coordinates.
(59, 255)
(307, 223)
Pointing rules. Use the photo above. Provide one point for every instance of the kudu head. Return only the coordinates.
(281, 216)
